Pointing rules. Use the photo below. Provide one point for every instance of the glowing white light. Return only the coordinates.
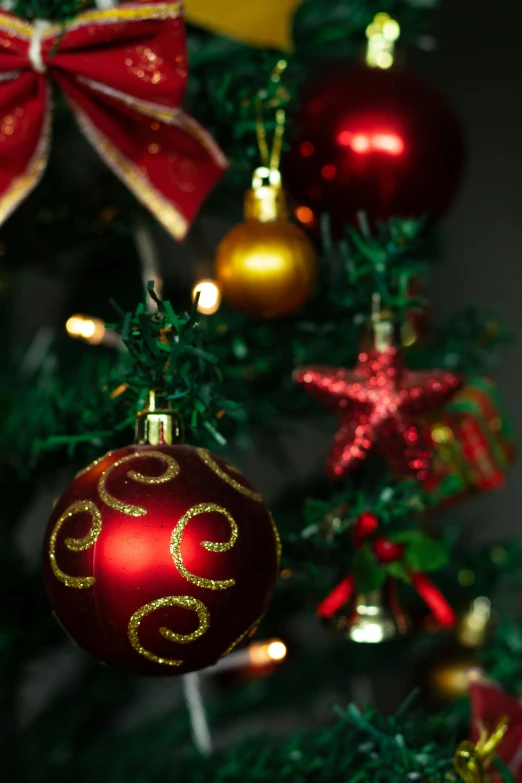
(85, 328)
(369, 633)
(209, 296)
(276, 651)
(263, 653)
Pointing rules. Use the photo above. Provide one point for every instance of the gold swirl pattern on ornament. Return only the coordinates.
(213, 465)
(185, 601)
(250, 631)
(75, 544)
(279, 547)
(210, 546)
(172, 470)
(93, 464)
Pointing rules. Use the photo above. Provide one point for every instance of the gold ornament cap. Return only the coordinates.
(382, 325)
(158, 423)
(475, 623)
(265, 200)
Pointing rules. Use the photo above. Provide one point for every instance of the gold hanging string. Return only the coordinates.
(277, 145)
(271, 158)
(262, 141)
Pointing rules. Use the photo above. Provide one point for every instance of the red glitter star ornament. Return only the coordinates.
(378, 404)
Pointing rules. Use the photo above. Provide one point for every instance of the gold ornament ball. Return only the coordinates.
(266, 269)
(450, 677)
(451, 668)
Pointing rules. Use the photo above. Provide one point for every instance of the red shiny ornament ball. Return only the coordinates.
(383, 141)
(160, 559)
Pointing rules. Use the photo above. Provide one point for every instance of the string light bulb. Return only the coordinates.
(209, 296)
(83, 327)
(276, 651)
(92, 330)
(258, 655)
(263, 653)
(382, 33)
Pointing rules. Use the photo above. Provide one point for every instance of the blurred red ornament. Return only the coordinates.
(387, 551)
(160, 559)
(383, 141)
(491, 706)
(378, 404)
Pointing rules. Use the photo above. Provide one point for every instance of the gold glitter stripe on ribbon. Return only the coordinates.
(129, 173)
(164, 114)
(250, 631)
(13, 24)
(185, 601)
(9, 76)
(135, 13)
(192, 127)
(213, 465)
(279, 548)
(210, 546)
(171, 472)
(22, 185)
(75, 544)
(167, 115)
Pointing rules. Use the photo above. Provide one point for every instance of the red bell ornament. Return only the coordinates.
(160, 559)
(383, 141)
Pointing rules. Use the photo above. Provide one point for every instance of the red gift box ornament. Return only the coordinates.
(124, 72)
(472, 443)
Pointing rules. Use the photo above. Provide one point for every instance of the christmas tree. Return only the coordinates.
(342, 625)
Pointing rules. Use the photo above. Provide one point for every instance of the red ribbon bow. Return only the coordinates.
(124, 72)
(386, 552)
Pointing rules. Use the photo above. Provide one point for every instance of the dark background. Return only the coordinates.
(478, 66)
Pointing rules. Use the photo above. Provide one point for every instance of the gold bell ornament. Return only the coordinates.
(266, 266)
(375, 618)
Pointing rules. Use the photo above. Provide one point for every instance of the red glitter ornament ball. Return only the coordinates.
(160, 559)
(383, 141)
